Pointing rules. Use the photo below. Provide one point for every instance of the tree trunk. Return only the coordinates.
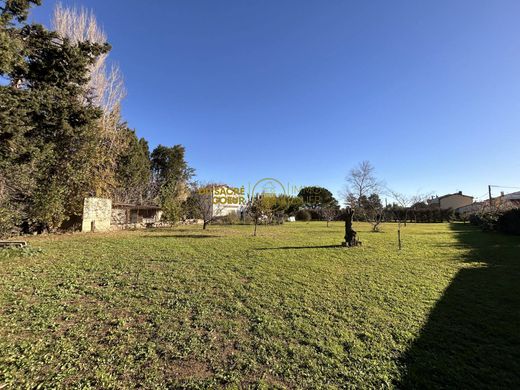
(350, 234)
(204, 224)
(256, 223)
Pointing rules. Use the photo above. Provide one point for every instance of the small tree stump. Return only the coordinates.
(350, 234)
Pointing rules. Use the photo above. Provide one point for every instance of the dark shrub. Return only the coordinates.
(474, 219)
(230, 219)
(247, 219)
(509, 222)
(8, 220)
(303, 215)
(487, 219)
(315, 214)
(278, 218)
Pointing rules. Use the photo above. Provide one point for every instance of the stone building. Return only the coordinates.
(97, 213)
(132, 215)
(101, 214)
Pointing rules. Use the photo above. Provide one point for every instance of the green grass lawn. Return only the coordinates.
(190, 308)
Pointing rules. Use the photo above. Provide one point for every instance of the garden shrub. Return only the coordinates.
(474, 219)
(229, 219)
(303, 215)
(247, 219)
(509, 222)
(315, 214)
(8, 220)
(486, 220)
(505, 221)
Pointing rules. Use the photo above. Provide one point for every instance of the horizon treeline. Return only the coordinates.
(62, 137)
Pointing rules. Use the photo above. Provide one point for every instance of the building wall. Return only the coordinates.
(455, 201)
(133, 217)
(118, 216)
(471, 208)
(98, 210)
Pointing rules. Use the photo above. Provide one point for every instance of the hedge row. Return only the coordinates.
(495, 220)
(421, 216)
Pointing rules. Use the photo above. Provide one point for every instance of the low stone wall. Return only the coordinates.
(97, 212)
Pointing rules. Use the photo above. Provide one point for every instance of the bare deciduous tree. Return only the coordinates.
(200, 203)
(361, 181)
(105, 82)
(362, 193)
(329, 213)
(105, 89)
(260, 206)
(406, 202)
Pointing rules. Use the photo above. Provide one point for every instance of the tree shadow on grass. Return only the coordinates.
(182, 236)
(472, 337)
(299, 247)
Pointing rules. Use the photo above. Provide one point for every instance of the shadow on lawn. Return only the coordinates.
(182, 236)
(299, 247)
(472, 337)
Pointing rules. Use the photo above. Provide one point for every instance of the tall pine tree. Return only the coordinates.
(133, 170)
(171, 174)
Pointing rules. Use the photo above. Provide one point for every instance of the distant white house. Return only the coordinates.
(451, 201)
(226, 200)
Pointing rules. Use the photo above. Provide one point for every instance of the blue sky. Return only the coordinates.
(302, 91)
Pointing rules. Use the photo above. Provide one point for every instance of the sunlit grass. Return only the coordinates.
(193, 308)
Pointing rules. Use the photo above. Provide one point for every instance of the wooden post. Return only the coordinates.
(93, 226)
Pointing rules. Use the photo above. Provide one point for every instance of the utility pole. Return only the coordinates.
(490, 198)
